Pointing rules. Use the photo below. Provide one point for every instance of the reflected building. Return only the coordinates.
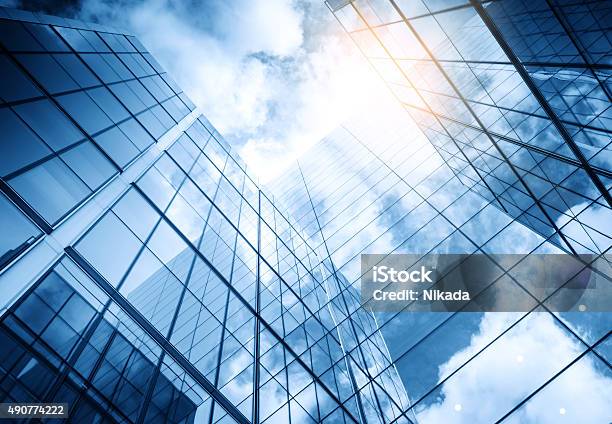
(514, 95)
(378, 186)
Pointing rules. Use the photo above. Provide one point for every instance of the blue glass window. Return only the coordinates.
(100, 67)
(151, 123)
(89, 164)
(77, 70)
(110, 234)
(128, 97)
(109, 104)
(118, 67)
(75, 39)
(47, 37)
(14, 85)
(141, 92)
(17, 231)
(136, 134)
(47, 72)
(19, 146)
(49, 123)
(94, 40)
(15, 37)
(51, 188)
(82, 109)
(117, 146)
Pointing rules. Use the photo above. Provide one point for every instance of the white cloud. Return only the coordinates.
(513, 367)
(274, 76)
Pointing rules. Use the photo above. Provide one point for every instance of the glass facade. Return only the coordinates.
(514, 95)
(145, 275)
(378, 186)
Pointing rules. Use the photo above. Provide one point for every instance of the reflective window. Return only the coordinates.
(50, 124)
(19, 146)
(14, 85)
(83, 109)
(62, 189)
(47, 72)
(17, 231)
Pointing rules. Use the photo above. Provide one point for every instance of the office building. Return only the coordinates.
(513, 94)
(145, 275)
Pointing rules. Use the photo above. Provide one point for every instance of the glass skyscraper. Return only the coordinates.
(390, 196)
(146, 277)
(515, 96)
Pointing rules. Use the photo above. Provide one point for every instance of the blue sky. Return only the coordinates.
(274, 76)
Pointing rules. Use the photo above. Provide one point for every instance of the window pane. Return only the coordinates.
(47, 37)
(50, 124)
(85, 112)
(117, 146)
(48, 72)
(89, 164)
(15, 37)
(77, 70)
(111, 247)
(52, 189)
(109, 104)
(19, 146)
(17, 230)
(75, 39)
(14, 85)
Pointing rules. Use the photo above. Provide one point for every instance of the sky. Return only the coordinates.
(273, 76)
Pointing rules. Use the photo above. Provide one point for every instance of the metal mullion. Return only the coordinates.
(225, 314)
(145, 324)
(148, 394)
(256, 375)
(161, 340)
(578, 45)
(430, 110)
(53, 154)
(535, 392)
(487, 20)
(357, 392)
(21, 102)
(29, 211)
(452, 85)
